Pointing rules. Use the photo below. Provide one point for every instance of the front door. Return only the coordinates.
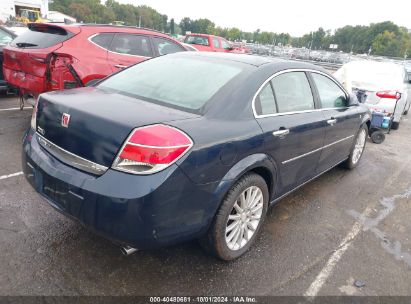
(293, 128)
(342, 122)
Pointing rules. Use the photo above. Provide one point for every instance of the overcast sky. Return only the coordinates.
(296, 17)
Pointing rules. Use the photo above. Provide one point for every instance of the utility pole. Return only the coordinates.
(139, 21)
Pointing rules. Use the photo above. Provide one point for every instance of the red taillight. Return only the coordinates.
(389, 94)
(151, 149)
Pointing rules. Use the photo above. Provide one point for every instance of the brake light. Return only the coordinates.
(389, 94)
(151, 149)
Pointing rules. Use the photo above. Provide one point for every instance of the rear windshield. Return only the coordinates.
(186, 83)
(39, 37)
(196, 40)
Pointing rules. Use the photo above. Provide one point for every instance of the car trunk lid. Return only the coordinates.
(97, 127)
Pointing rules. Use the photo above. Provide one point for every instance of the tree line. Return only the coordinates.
(385, 38)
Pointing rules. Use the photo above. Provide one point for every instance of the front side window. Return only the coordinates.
(331, 95)
(165, 46)
(293, 92)
(103, 40)
(225, 45)
(265, 102)
(128, 44)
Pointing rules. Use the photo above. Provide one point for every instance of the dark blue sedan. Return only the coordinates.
(190, 146)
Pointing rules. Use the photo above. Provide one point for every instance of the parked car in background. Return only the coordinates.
(6, 36)
(378, 84)
(189, 47)
(209, 43)
(52, 57)
(190, 145)
(240, 48)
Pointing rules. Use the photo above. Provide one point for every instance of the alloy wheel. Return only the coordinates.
(244, 218)
(359, 146)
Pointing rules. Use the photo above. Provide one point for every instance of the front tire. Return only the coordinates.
(239, 219)
(357, 149)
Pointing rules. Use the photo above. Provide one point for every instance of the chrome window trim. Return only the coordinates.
(293, 112)
(114, 33)
(70, 158)
(316, 150)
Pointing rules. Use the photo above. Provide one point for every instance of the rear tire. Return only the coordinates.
(239, 219)
(395, 125)
(357, 149)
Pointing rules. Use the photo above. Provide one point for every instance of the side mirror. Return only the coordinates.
(352, 100)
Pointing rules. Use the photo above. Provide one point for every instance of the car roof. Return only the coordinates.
(111, 28)
(253, 60)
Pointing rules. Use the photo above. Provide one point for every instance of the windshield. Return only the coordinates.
(186, 83)
(197, 40)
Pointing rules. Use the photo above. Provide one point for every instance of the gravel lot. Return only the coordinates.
(342, 227)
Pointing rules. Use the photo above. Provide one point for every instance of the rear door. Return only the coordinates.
(293, 127)
(342, 122)
(128, 49)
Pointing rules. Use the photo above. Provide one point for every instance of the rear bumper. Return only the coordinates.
(141, 211)
(387, 106)
(25, 82)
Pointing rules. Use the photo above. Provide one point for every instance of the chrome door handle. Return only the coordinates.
(281, 133)
(120, 66)
(332, 121)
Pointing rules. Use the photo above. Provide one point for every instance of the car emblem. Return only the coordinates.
(65, 120)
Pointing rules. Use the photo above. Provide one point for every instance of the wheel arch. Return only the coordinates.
(260, 164)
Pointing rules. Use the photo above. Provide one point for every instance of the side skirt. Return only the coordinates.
(276, 200)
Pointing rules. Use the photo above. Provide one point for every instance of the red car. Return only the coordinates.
(54, 57)
(209, 43)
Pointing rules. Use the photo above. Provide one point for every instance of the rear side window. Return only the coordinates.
(103, 40)
(293, 92)
(265, 101)
(128, 44)
(330, 93)
(197, 40)
(165, 46)
(41, 36)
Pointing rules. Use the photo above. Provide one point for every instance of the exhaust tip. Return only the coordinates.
(127, 250)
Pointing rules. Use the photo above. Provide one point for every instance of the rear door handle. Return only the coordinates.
(281, 133)
(332, 121)
(120, 66)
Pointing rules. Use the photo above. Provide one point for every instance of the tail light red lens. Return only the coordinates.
(389, 94)
(151, 149)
